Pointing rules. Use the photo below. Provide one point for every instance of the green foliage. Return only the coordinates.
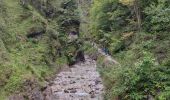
(141, 80)
(144, 56)
(36, 58)
(158, 18)
(108, 15)
(135, 80)
(67, 15)
(69, 21)
(109, 19)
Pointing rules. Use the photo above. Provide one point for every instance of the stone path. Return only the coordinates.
(80, 82)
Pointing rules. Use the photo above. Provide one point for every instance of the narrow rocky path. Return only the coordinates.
(80, 82)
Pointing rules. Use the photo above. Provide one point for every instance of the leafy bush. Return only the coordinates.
(139, 81)
(157, 16)
(109, 15)
(141, 75)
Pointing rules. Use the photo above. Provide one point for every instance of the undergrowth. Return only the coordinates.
(23, 58)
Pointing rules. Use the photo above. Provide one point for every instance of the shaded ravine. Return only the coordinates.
(80, 82)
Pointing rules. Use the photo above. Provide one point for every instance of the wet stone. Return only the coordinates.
(72, 82)
(97, 81)
(73, 91)
(81, 82)
(66, 91)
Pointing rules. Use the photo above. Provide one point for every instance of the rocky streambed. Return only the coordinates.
(80, 82)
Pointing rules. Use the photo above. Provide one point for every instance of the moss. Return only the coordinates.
(23, 58)
(36, 57)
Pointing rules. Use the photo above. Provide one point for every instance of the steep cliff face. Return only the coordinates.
(32, 38)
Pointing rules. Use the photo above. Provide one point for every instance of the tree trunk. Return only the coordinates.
(138, 14)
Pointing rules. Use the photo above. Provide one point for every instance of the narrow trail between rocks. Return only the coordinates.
(80, 82)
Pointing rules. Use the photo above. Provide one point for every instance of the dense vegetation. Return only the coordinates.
(136, 32)
(34, 44)
(33, 41)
